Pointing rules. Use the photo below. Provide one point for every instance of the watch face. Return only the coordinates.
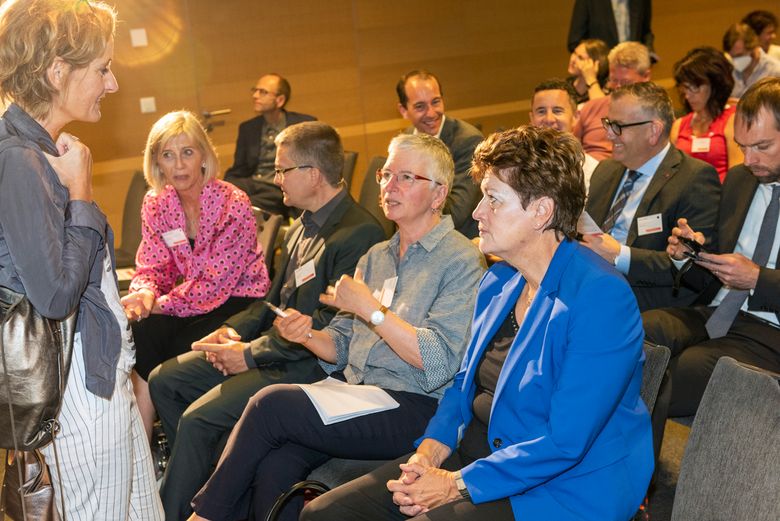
(377, 317)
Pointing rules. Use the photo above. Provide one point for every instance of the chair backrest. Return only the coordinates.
(656, 360)
(267, 226)
(131, 221)
(369, 195)
(731, 466)
(350, 158)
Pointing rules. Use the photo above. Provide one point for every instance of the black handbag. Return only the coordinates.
(35, 354)
(32, 499)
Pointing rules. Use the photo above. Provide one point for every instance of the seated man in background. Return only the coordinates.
(629, 62)
(420, 101)
(637, 197)
(199, 398)
(253, 163)
(554, 105)
(736, 313)
(750, 61)
(765, 25)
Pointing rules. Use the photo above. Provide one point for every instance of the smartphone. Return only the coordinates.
(693, 248)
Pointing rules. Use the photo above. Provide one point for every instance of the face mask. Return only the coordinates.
(741, 62)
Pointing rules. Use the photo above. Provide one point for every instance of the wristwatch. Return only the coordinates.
(461, 485)
(378, 316)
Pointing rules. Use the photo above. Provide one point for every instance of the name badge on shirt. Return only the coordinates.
(385, 296)
(174, 238)
(649, 224)
(700, 144)
(304, 274)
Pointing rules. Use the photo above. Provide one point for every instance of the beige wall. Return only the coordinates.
(343, 58)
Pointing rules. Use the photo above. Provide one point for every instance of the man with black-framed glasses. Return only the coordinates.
(637, 196)
(253, 163)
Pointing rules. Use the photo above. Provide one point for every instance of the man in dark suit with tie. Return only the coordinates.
(253, 163)
(421, 102)
(736, 313)
(637, 197)
(199, 398)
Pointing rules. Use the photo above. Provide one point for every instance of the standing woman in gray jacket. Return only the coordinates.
(56, 247)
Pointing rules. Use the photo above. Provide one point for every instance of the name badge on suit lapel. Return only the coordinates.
(649, 224)
(304, 274)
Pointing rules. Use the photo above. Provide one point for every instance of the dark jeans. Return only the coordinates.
(280, 438)
(367, 499)
(198, 406)
(161, 337)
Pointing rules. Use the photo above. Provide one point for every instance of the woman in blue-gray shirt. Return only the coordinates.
(403, 325)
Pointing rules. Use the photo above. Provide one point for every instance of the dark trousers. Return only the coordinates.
(280, 438)
(262, 193)
(367, 499)
(198, 406)
(161, 337)
(694, 354)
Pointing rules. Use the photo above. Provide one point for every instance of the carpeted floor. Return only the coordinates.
(661, 497)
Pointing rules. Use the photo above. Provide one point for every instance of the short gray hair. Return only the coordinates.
(632, 55)
(434, 154)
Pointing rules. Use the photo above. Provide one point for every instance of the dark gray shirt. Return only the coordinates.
(52, 249)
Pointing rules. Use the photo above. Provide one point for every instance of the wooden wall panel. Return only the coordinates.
(343, 58)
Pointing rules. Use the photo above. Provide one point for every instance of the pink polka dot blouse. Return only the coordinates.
(226, 260)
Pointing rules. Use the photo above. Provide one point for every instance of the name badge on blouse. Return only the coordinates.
(386, 294)
(649, 224)
(174, 238)
(700, 144)
(304, 274)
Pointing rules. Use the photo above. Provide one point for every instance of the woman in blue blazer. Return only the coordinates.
(544, 419)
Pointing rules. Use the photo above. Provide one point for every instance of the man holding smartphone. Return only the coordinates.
(739, 301)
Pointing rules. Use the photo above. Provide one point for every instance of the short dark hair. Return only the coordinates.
(400, 87)
(537, 162)
(738, 32)
(652, 98)
(760, 20)
(706, 65)
(765, 93)
(317, 144)
(558, 84)
(598, 51)
(283, 88)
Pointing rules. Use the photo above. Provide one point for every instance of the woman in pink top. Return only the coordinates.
(199, 261)
(705, 82)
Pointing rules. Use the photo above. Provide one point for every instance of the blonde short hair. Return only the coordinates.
(35, 32)
(171, 125)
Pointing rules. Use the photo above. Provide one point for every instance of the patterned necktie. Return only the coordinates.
(721, 319)
(620, 201)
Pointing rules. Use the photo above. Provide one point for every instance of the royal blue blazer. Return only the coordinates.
(569, 434)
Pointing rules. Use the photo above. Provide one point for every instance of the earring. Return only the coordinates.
(203, 168)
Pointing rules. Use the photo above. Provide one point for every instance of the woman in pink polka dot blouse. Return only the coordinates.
(199, 261)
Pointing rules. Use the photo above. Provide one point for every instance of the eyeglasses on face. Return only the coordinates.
(405, 179)
(687, 87)
(280, 172)
(617, 128)
(262, 92)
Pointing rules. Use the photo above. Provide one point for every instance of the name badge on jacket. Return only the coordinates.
(174, 238)
(304, 274)
(649, 224)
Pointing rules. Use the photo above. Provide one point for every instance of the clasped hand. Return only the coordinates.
(422, 486)
(73, 166)
(734, 270)
(224, 350)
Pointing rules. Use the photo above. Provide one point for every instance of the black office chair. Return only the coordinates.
(369, 195)
(350, 159)
(131, 222)
(267, 229)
